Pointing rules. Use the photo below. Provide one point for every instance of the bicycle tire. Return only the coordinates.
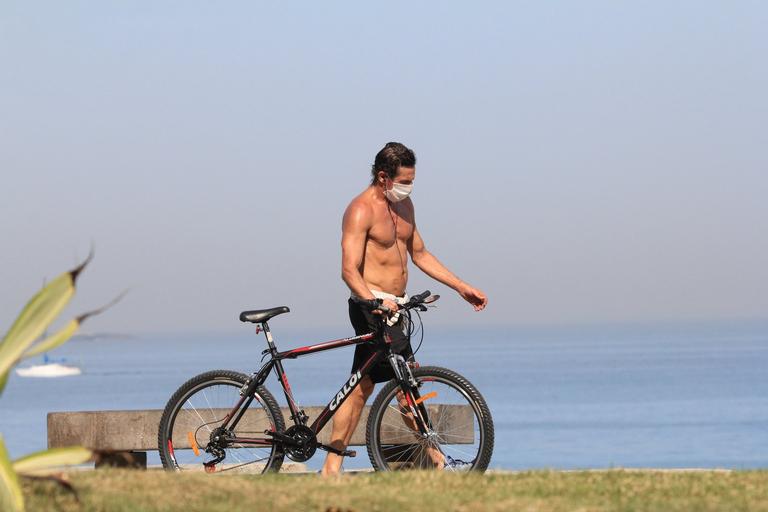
(481, 418)
(200, 383)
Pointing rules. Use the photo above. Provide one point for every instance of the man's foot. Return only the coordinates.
(327, 472)
(452, 464)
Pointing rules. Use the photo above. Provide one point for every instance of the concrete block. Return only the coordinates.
(136, 431)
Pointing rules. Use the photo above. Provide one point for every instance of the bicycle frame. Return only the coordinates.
(275, 362)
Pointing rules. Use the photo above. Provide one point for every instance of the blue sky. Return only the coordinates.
(580, 162)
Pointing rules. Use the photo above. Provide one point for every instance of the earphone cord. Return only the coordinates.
(394, 225)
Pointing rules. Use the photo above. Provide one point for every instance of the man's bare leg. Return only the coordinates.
(434, 453)
(344, 423)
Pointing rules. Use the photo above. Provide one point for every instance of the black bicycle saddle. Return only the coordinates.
(258, 316)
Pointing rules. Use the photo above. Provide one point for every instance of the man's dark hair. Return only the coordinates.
(392, 156)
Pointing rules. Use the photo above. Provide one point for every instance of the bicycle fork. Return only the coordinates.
(409, 389)
(416, 414)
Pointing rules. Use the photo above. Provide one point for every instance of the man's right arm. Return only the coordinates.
(354, 233)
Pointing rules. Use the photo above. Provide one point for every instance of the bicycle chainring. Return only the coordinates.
(306, 443)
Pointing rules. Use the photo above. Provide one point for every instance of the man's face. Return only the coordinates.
(404, 176)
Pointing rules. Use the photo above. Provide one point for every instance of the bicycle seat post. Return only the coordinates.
(268, 334)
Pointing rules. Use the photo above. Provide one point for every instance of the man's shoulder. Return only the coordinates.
(359, 210)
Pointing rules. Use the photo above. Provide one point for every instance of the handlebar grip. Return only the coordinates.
(369, 303)
(420, 297)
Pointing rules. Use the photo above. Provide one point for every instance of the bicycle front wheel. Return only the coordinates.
(452, 428)
(199, 407)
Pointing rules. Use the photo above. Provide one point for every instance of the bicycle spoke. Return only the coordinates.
(401, 428)
(405, 455)
(462, 428)
(398, 411)
(205, 423)
(205, 396)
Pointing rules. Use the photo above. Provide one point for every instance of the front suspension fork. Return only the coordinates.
(410, 390)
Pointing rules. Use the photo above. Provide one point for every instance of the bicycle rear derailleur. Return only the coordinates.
(216, 448)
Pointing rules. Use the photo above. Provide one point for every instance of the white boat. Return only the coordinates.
(48, 370)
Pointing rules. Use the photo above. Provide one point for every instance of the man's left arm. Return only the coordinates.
(431, 266)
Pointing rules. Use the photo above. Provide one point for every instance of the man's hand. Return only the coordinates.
(473, 296)
(392, 305)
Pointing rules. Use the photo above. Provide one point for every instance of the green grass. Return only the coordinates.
(145, 491)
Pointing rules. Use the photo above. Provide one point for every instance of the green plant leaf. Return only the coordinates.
(53, 340)
(4, 380)
(36, 316)
(11, 498)
(67, 331)
(46, 461)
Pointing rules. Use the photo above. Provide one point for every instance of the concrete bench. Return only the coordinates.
(122, 438)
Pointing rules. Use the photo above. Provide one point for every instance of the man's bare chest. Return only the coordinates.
(387, 228)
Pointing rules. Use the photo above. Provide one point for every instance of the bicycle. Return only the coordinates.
(426, 417)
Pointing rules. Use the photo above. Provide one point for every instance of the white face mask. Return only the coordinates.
(398, 192)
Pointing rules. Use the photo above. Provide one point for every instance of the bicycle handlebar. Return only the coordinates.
(415, 301)
(420, 298)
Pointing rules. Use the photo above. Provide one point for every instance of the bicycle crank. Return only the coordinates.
(302, 444)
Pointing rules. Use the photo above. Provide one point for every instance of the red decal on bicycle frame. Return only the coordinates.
(329, 344)
(288, 389)
(285, 383)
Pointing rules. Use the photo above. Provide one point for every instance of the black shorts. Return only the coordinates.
(364, 322)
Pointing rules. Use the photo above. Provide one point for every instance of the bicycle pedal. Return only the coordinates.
(349, 453)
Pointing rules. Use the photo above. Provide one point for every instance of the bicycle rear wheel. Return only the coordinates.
(199, 407)
(458, 425)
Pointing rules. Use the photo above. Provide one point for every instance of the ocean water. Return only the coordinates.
(673, 396)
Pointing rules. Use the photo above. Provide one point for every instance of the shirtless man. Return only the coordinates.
(378, 232)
